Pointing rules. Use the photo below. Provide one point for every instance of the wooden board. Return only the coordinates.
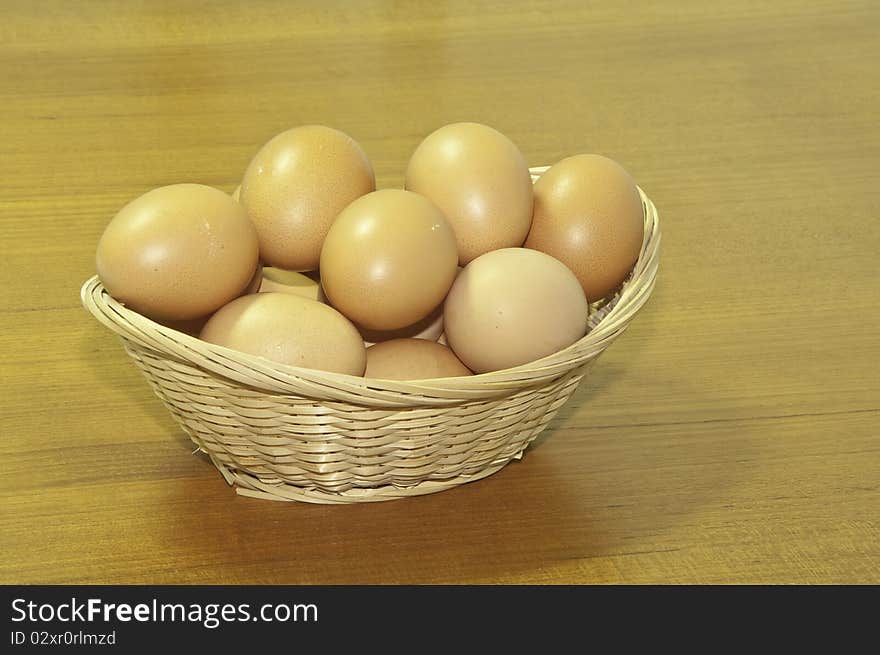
(730, 436)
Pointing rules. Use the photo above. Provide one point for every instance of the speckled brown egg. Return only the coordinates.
(288, 329)
(513, 306)
(178, 252)
(412, 359)
(295, 186)
(588, 214)
(430, 328)
(194, 326)
(388, 260)
(480, 181)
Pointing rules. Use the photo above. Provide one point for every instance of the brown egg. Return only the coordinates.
(388, 260)
(276, 279)
(588, 214)
(194, 326)
(513, 306)
(178, 252)
(412, 359)
(429, 328)
(481, 183)
(288, 329)
(296, 185)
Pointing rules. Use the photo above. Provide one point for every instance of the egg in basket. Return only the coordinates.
(324, 341)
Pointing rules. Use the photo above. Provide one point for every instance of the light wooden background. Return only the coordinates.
(730, 436)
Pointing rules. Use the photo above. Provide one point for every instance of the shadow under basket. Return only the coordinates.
(285, 433)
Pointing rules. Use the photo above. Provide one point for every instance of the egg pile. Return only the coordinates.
(470, 268)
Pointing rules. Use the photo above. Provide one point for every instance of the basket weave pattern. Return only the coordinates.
(285, 433)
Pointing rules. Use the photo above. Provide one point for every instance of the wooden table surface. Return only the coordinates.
(732, 435)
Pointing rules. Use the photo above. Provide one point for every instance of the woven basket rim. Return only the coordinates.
(607, 323)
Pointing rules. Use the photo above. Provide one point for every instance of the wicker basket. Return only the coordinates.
(286, 433)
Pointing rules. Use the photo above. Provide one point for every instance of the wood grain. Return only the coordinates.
(730, 436)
